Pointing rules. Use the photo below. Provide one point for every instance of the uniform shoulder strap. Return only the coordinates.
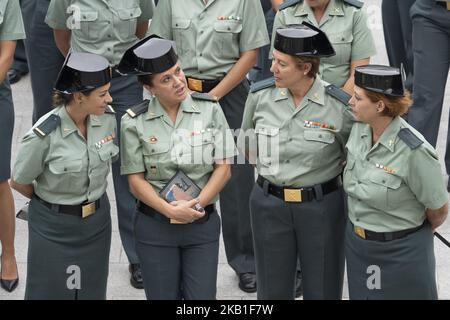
(288, 4)
(338, 93)
(263, 84)
(203, 96)
(110, 110)
(138, 109)
(408, 137)
(47, 126)
(355, 3)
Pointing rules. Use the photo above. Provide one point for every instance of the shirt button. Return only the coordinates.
(320, 136)
(359, 200)
(287, 161)
(290, 139)
(153, 150)
(176, 24)
(368, 159)
(357, 219)
(65, 169)
(201, 54)
(384, 181)
(283, 183)
(201, 32)
(200, 72)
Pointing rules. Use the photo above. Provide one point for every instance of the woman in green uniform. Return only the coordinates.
(345, 24)
(62, 167)
(301, 126)
(178, 246)
(396, 194)
(218, 41)
(11, 29)
(108, 28)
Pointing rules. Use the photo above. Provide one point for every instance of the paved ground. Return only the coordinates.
(118, 284)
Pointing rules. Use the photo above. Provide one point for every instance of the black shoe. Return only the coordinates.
(14, 75)
(9, 285)
(136, 276)
(247, 282)
(298, 285)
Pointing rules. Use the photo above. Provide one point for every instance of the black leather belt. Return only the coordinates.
(83, 210)
(203, 86)
(149, 211)
(383, 236)
(289, 194)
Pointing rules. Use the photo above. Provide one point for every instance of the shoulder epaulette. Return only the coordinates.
(47, 126)
(203, 96)
(355, 3)
(288, 4)
(408, 137)
(110, 109)
(263, 84)
(338, 93)
(138, 109)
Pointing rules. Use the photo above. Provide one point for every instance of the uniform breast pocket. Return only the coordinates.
(317, 145)
(226, 38)
(106, 154)
(66, 175)
(89, 27)
(156, 160)
(201, 149)
(180, 29)
(128, 21)
(342, 44)
(385, 189)
(268, 146)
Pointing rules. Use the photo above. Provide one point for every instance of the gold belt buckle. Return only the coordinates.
(87, 209)
(293, 195)
(174, 221)
(195, 84)
(359, 231)
(448, 5)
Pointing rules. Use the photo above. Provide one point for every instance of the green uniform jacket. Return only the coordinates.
(392, 183)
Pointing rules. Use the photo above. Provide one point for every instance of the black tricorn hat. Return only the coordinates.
(83, 71)
(304, 40)
(148, 56)
(382, 79)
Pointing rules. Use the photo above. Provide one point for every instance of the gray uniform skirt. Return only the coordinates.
(6, 129)
(68, 256)
(399, 269)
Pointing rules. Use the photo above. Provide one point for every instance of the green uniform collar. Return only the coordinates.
(315, 94)
(67, 126)
(155, 110)
(389, 136)
(334, 8)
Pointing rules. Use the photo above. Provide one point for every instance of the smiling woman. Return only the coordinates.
(62, 167)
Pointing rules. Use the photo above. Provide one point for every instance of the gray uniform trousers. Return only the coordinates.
(406, 265)
(20, 58)
(6, 129)
(60, 241)
(397, 28)
(312, 230)
(44, 58)
(178, 261)
(126, 92)
(234, 208)
(431, 45)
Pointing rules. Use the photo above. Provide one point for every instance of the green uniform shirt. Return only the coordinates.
(151, 143)
(299, 146)
(11, 24)
(64, 167)
(209, 38)
(103, 27)
(390, 185)
(347, 30)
